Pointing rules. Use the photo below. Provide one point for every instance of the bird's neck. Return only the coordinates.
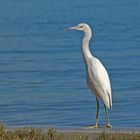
(85, 47)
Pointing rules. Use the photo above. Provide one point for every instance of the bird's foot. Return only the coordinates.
(108, 126)
(92, 126)
(98, 126)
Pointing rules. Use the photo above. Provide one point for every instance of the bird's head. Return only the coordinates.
(82, 27)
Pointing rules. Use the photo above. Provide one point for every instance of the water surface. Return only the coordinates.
(41, 66)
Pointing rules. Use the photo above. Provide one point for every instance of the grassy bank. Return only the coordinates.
(30, 133)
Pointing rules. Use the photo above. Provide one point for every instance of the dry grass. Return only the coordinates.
(29, 133)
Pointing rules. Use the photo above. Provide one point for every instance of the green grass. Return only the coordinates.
(30, 133)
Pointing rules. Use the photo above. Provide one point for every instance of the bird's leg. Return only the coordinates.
(107, 117)
(97, 113)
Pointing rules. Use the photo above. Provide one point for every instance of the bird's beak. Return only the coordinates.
(71, 28)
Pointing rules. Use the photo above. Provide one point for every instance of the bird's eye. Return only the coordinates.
(81, 26)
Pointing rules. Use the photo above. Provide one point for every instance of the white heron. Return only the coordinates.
(97, 76)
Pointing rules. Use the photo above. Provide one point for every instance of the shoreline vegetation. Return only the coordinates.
(34, 133)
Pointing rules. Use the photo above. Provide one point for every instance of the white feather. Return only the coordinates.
(98, 81)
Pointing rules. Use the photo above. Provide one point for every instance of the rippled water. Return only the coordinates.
(42, 75)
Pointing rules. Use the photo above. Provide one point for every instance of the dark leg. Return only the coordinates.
(97, 113)
(107, 117)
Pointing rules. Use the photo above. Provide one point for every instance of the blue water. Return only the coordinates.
(42, 73)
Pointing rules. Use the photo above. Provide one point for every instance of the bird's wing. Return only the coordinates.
(99, 78)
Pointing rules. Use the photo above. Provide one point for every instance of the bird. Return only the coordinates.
(97, 76)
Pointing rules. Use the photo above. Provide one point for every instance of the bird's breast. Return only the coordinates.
(92, 85)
